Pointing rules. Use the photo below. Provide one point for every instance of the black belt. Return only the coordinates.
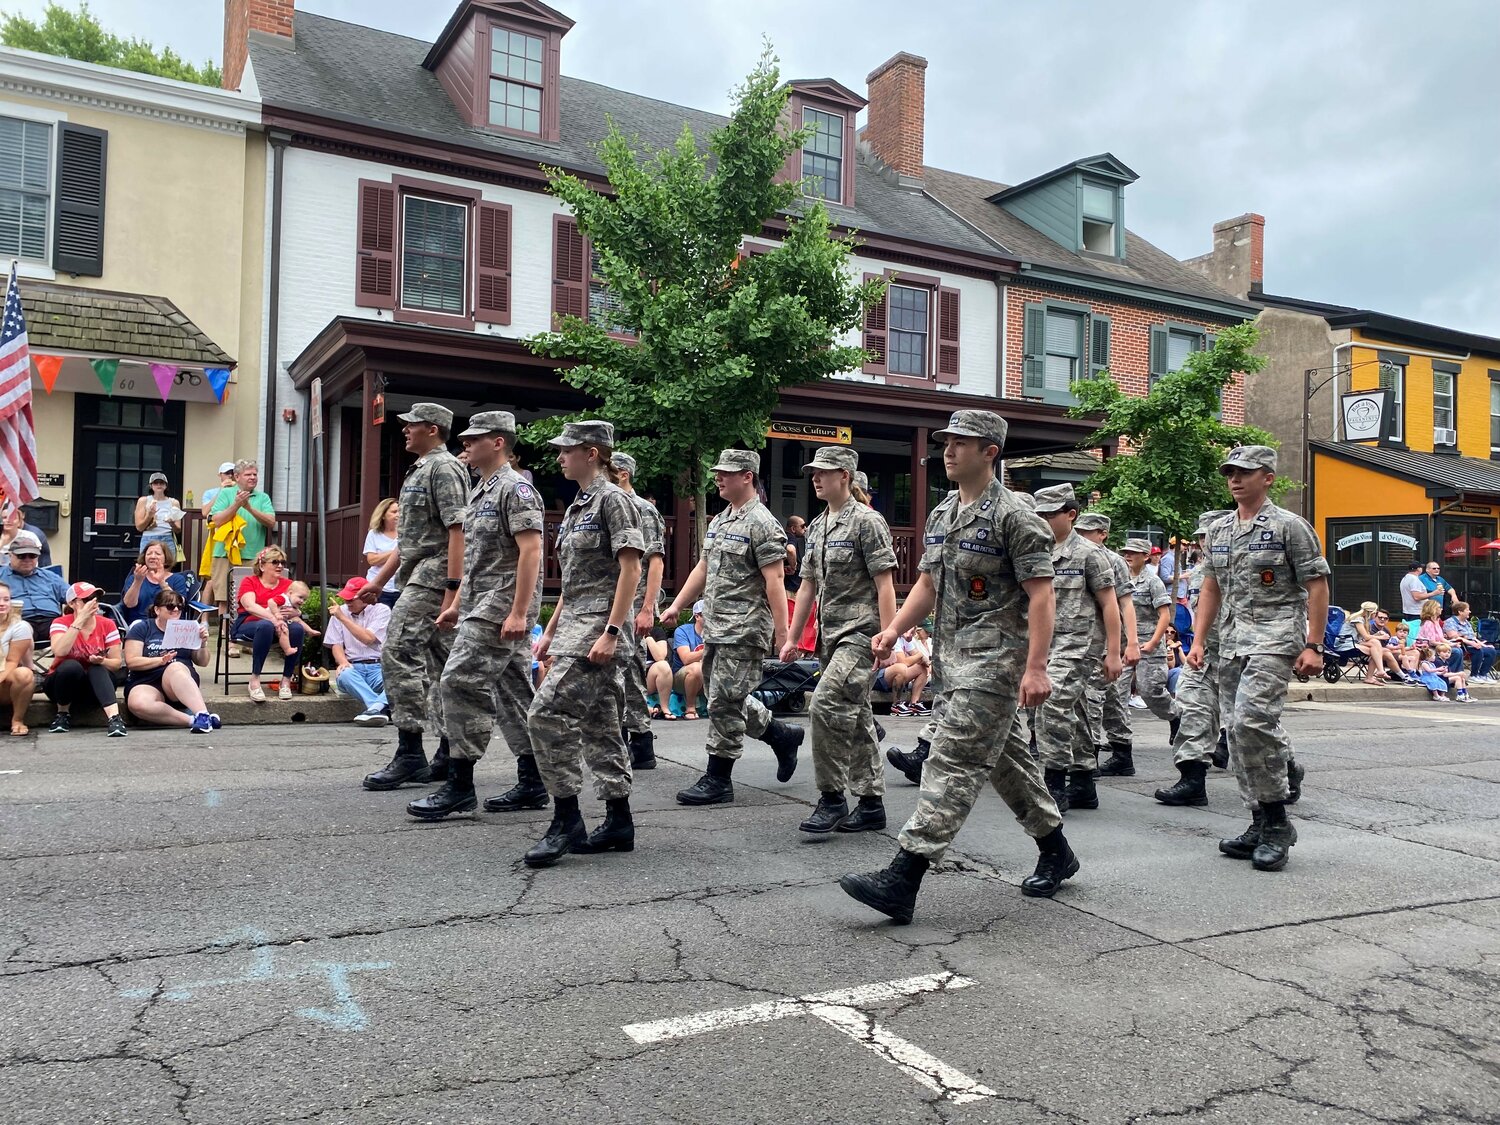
(375, 661)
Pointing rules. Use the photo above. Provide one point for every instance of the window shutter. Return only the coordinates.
(874, 340)
(947, 335)
(1033, 347)
(492, 264)
(1209, 340)
(78, 209)
(1098, 344)
(570, 282)
(375, 264)
(1160, 336)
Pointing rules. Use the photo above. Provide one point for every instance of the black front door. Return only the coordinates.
(118, 443)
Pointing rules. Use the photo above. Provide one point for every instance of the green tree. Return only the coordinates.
(1176, 439)
(78, 35)
(698, 339)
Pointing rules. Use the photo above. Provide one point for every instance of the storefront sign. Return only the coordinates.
(811, 431)
(377, 401)
(1361, 537)
(1470, 510)
(1365, 414)
(52, 480)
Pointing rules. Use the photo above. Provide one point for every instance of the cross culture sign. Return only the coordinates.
(844, 1011)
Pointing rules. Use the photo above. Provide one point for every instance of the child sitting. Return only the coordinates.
(1427, 671)
(1459, 679)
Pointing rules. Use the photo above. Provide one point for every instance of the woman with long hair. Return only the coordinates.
(159, 678)
(380, 544)
(266, 618)
(17, 680)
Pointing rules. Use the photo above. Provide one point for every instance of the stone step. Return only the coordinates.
(235, 710)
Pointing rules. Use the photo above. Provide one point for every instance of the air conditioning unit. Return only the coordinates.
(1442, 436)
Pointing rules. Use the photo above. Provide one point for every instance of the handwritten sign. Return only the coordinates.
(182, 635)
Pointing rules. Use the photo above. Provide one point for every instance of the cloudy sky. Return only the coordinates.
(1366, 131)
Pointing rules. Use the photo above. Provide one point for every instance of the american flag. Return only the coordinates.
(17, 431)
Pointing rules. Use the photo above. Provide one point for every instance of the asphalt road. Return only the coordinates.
(200, 930)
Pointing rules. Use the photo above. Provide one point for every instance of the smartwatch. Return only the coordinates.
(612, 630)
(452, 584)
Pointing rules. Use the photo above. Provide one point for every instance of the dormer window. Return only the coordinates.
(516, 81)
(823, 154)
(1098, 211)
(825, 162)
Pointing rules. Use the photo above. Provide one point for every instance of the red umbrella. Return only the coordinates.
(1492, 545)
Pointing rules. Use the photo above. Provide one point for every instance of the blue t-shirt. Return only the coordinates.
(151, 636)
(685, 636)
(147, 595)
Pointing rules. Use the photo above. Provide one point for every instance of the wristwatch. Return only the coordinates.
(452, 584)
(612, 630)
(1314, 647)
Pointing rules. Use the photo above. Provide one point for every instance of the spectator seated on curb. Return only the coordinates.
(356, 636)
(1458, 630)
(160, 681)
(17, 677)
(910, 665)
(42, 593)
(687, 662)
(1458, 679)
(86, 652)
(1430, 623)
(1373, 635)
(657, 647)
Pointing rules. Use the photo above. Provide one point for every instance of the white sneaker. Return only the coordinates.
(374, 717)
(1137, 701)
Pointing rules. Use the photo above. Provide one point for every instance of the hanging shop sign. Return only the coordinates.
(811, 431)
(1366, 414)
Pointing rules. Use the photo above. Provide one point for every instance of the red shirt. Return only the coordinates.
(104, 636)
(265, 596)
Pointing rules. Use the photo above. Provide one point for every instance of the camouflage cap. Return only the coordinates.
(1055, 498)
(833, 457)
(624, 462)
(737, 461)
(1093, 521)
(1249, 457)
(975, 423)
(1207, 520)
(430, 413)
(593, 431)
(1026, 500)
(1137, 546)
(861, 480)
(490, 422)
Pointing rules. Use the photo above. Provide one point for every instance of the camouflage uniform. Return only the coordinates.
(1150, 595)
(1198, 689)
(575, 716)
(1108, 715)
(737, 622)
(1080, 571)
(488, 679)
(978, 555)
(1260, 565)
(637, 719)
(433, 498)
(846, 551)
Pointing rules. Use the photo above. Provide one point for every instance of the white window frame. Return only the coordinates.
(1451, 396)
(467, 263)
(1085, 219)
(927, 354)
(41, 270)
(1494, 415)
(1398, 397)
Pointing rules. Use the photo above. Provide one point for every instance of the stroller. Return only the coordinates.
(1342, 654)
(786, 686)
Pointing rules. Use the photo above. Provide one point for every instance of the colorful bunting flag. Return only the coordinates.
(218, 379)
(105, 369)
(47, 366)
(165, 375)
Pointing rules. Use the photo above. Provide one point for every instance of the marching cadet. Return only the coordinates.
(429, 554)
(1153, 613)
(1086, 634)
(744, 622)
(575, 716)
(1197, 699)
(1109, 717)
(986, 574)
(848, 571)
(1266, 568)
(637, 720)
(487, 678)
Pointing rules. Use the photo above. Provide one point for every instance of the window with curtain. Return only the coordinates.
(1442, 403)
(433, 259)
(25, 188)
(1064, 349)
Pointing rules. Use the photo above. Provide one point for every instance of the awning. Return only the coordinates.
(1470, 476)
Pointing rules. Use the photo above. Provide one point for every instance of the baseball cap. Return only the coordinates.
(353, 587)
(833, 457)
(490, 422)
(1249, 457)
(1208, 519)
(624, 462)
(736, 461)
(975, 423)
(591, 431)
(1137, 546)
(1093, 521)
(80, 591)
(226, 467)
(430, 413)
(25, 543)
(860, 480)
(157, 477)
(697, 608)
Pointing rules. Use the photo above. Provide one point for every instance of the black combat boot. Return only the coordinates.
(831, 809)
(642, 749)
(783, 739)
(438, 770)
(868, 816)
(892, 891)
(1174, 724)
(565, 834)
(457, 794)
(409, 764)
(909, 762)
(1276, 837)
(1056, 863)
(1294, 776)
(714, 787)
(617, 833)
(1081, 792)
(1121, 763)
(1057, 786)
(1189, 789)
(1243, 846)
(1221, 750)
(527, 793)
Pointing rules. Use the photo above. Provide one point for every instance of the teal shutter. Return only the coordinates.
(1159, 338)
(1098, 344)
(1033, 347)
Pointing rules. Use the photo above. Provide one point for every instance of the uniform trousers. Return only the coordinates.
(1108, 712)
(845, 751)
(1150, 684)
(1062, 726)
(413, 658)
(486, 681)
(732, 671)
(1198, 707)
(637, 719)
(575, 718)
(977, 738)
(1254, 689)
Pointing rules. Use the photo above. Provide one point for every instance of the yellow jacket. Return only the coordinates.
(232, 535)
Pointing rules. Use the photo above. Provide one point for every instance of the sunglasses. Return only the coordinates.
(276, 562)
(171, 608)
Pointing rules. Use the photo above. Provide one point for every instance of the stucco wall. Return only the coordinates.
(1292, 342)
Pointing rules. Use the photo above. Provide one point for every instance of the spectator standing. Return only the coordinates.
(42, 593)
(226, 480)
(246, 503)
(265, 618)
(356, 634)
(380, 545)
(1459, 632)
(159, 678)
(86, 652)
(687, 662)
(147, 579)
(13, 525)
(796, 547)
(1413, 593)
(17, 678)
(158, 517)
(1438, 587)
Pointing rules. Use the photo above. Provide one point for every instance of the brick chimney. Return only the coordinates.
(898, 115)
(1237, 263)
(242, 18)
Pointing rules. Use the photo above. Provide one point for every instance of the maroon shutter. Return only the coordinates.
(492, 264)
(569, 270)
(875, 333)
(947, 335)
(375, 264)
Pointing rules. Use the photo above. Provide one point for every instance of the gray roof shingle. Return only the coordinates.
(361, 74)
(129, 325)
(1466, 474)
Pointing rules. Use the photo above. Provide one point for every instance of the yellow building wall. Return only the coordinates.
(1471, 396)
(1345, 491)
